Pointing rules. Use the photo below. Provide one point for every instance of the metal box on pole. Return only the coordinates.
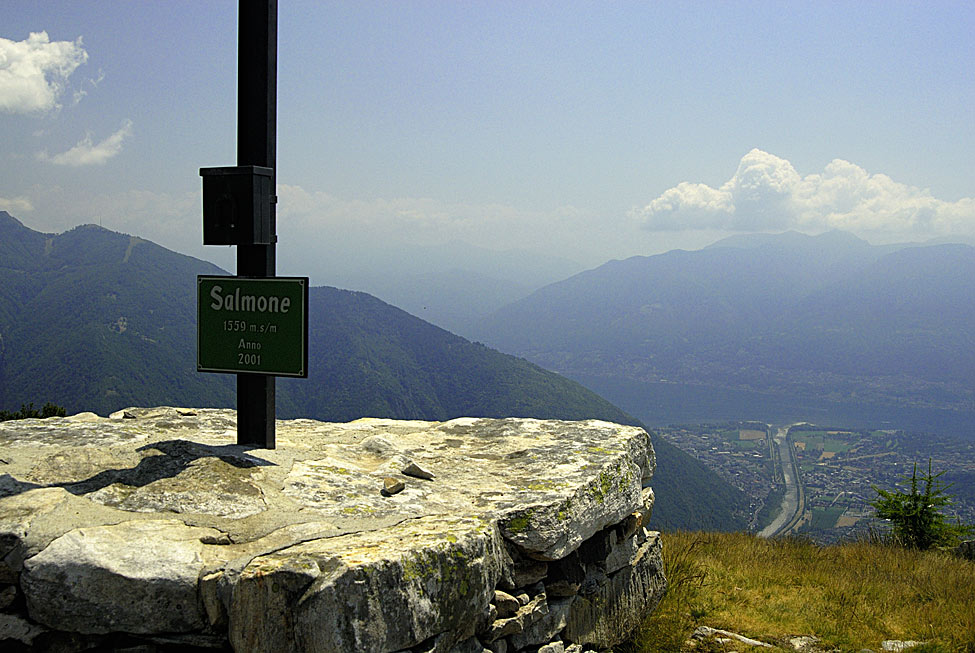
(237, 205)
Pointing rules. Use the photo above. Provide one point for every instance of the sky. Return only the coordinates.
(576, 132)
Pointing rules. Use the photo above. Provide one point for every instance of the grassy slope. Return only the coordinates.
(852, 596)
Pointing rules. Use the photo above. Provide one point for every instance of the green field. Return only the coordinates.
(825, 518)
(748, 445)
(821, 441)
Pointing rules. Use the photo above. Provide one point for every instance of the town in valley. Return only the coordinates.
(836, 469)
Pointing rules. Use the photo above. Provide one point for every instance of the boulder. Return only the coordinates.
(153, 525)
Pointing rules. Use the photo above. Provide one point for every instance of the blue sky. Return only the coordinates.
(587, 131)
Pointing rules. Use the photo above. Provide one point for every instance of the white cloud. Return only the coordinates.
(81, 92)
(87, 153)
(16, 205)
(33, 73)
(766, 193)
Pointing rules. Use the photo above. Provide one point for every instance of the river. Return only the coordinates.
(790, 502)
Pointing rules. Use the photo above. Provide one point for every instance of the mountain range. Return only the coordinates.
(805, 325)
(96, 320)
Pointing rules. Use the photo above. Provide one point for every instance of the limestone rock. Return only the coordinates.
(154, 522)
(605, 617)
(137, 577)
(526, 616)
(554, 647)
(549, 532)
(804, 644)
(545, 626)
(725, 636)
(352, 593)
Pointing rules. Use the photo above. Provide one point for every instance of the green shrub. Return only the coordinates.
(915, 515)
(28, 411)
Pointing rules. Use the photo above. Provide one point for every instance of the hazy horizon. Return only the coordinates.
(418, 136)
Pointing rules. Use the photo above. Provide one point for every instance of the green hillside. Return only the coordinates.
(98, 320)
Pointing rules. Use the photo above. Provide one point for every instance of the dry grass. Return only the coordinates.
(852, 596)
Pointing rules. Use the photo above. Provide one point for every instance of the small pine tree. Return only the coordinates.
(52, 410)
(915, 515)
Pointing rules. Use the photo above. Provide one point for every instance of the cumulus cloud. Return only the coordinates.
(87, 153)
(766, 194)
(16, 205)
(34, 72)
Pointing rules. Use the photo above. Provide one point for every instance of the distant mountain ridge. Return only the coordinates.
(452, 285)
(825, 318)
(96, 320)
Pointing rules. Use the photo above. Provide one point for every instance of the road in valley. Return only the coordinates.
(793, 501)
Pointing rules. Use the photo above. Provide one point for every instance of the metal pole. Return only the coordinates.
(257, 57)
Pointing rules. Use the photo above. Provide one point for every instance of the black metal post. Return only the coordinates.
(257, 58)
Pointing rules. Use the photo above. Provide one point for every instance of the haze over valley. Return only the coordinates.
(791, 326)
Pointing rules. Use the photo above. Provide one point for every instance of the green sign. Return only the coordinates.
(252, 325)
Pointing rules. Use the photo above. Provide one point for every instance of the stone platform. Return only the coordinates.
(152, 529)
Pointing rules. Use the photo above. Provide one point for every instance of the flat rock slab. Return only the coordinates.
(154, 521)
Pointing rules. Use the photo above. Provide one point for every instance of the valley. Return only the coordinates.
(827, 328)
(818, 481)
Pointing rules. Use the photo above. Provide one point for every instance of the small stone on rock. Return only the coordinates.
(392, 486)
(416, 471)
